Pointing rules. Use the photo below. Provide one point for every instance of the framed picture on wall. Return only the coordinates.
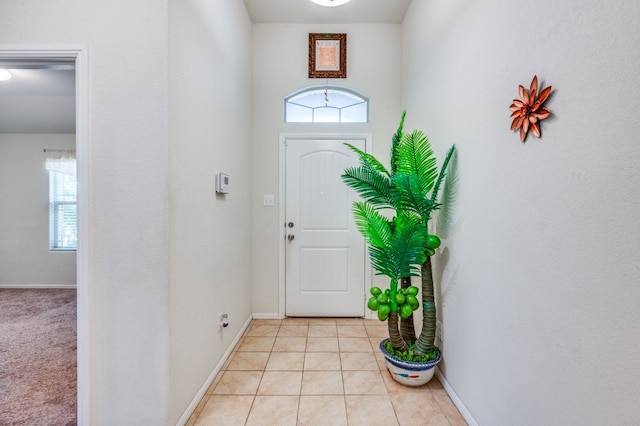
(327, 55)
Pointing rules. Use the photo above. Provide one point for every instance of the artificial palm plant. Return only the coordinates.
(393, 216)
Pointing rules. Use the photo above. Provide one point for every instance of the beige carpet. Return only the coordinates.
(38, 357)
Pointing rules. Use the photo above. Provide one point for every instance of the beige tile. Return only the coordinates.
(352, 331)
(322, 344)
(198, 410)
(325, 410)
(286, 361)
(322, 383)
(248, 361)
(225, 410)
(322, 321)
(370, 410)
(379, 331)
(449, 409)
(228, 361)
(274, 411)
(375, 343)
(418, 410)
(280, 383)
(363, 383)
(381, 361)
(322, 361)
(337, 361)
(436, 387)
(354, 344)
(457, 421)
(350, 321)
(262, 330)
(215, 382)
(238, 383)
(295, 321)
(293, 331)
(256, 344)
(290, 344)
(323, 331)
(358, 361)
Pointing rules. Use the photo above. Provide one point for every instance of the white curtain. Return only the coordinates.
(60, 160)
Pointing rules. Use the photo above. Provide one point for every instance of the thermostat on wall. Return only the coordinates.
(222, 183)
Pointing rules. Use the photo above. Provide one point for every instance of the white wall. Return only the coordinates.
(25, 258)
(209, 130)
(142, 285)
(127, 45)
(539, 287)
(280, 66)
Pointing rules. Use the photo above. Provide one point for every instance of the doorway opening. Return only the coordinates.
(65, 58)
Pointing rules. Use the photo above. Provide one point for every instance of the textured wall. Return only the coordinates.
(280, 66)
(539, 272)
(127, 52)
(210, 111)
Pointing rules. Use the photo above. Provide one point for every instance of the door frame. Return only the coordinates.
(79, 54)
(284, 137)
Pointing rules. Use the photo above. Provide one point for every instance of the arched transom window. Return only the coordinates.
(326, 104)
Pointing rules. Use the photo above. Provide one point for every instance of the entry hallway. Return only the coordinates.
(317, 372)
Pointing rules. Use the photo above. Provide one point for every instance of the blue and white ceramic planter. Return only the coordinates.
(409, 373)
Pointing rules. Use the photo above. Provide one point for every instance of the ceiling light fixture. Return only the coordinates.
(330, 3)
(4, 74)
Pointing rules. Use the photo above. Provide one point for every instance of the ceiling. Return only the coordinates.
(306, 12)
(40, 98)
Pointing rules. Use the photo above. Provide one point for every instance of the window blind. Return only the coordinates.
(61, 165)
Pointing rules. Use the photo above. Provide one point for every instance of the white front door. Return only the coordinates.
(325, 254)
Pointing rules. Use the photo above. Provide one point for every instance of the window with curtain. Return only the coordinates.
(326, 104)
(63, 228)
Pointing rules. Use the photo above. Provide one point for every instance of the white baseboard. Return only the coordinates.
(267, 316)
(38, 286)
(196, 400)
(456, 399)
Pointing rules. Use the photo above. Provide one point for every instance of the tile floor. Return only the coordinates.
(317, 372)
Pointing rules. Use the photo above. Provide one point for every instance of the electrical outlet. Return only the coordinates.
(223, 320)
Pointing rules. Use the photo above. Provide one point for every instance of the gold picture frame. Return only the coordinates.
(327, 55)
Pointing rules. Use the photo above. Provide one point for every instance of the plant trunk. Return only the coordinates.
(396, 339)
(428, 333)
(407, 329)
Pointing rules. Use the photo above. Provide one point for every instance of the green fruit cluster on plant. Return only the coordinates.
(433, 242)
(405, 299)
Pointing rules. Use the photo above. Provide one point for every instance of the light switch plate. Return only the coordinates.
(269, 200)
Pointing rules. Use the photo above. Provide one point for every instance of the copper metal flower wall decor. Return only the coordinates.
(529, 111)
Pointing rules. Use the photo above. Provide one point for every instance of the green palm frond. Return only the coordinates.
(443, 172)
(371, 185)
(395, 143)
(368, 160)
(408, 190)
(404, 253)
(411, 248)
(416, 156)
(374, 227)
